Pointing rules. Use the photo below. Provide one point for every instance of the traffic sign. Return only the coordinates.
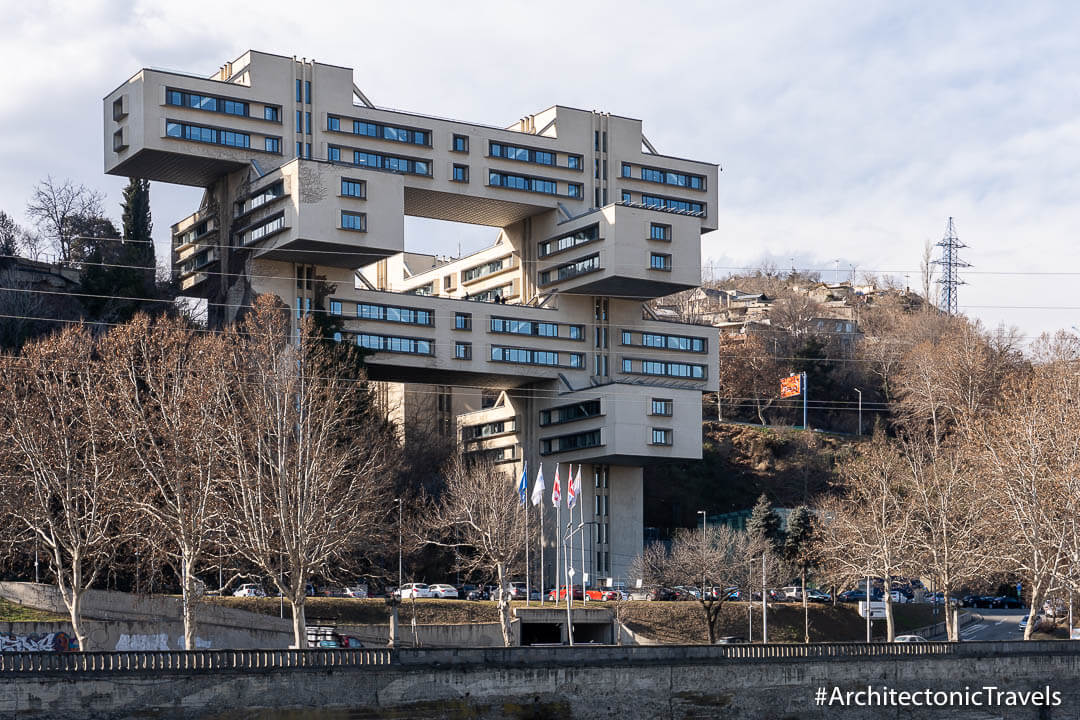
(790, 386)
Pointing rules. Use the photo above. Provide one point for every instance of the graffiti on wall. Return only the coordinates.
(38, 642)
(143, 642)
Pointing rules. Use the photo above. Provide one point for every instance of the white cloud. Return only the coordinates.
(845, 129)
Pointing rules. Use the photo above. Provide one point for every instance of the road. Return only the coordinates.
(995, 625)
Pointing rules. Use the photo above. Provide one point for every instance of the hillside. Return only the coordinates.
(739, 463)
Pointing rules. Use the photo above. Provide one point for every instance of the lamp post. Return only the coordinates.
(400, 563)
(704, 520)
(860, 411)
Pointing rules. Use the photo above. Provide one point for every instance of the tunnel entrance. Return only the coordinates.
(541, 633)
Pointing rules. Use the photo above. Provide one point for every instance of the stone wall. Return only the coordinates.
(652, 682)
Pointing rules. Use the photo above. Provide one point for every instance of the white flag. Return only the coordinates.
(575, 488)
(538, 488)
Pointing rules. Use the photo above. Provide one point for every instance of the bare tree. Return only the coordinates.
(749, 374)
(55, 207)
(22, 311)
(715, 560)
(1030, 458)
(865, 530)
(169, 383)
(953, 519)
(62, 464)
(926, 272)
(306, 461)
(797, 313)
(479, 513)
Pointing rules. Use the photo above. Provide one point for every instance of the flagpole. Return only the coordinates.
(525, 509)
(541, 553)
(569, 590)
(581, 513)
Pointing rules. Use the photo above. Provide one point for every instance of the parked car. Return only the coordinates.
(442, 590)
(356, 591)
(413, 590)
(815, 595)
(909, 639)
(249, 590)
(477, 592)
(575, 593)
(731, 640)
(518, 590)
(1008, 601)
(792, 592)
(849, 596)
(898, 597)
(602, 594)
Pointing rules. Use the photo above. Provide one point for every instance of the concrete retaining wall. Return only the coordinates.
(473, 635)
(125, 635)
(670, 682)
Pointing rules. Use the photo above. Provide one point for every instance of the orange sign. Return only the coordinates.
(790, 386)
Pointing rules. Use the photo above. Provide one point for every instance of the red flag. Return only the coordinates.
(556, 495)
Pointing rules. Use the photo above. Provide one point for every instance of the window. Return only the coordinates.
(461, 173)
(570, 270)
(570, 413)
(480, 271)
(307, 123)
(118, 108)
(659, 232)
(353, 188)
(565, 242)
(461, 143)
(575, 190)
(668, 177)
(596, 138)
(596, 168)
(272, 112)
(627, 366)
(267, 227)
(335, 307)
(299, 149)
(423, 289)
(512, 182)
(395, 344)
(463, 321)
(333, 154)
(564, 443)
(494, 294)
(307, 150)
(525, 356)
(659, 261)
(661, 407)
(333, 123)
(626, 197)
(521, 154)
(463, 351)
(669, 369)
(524, 327)
(299, 121)
(661, 436)
(307, 92)
(627, 337)
(209, 103)
(627, 171)
(394, 313)
(576, 332)
(272, 145)
(299, 95)
(573, 162)
(671, 204)
(393, 163)
(359, 127)
(213, 136)
(353, 221)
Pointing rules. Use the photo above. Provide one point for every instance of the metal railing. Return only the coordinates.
(188, 660)
(246, 660)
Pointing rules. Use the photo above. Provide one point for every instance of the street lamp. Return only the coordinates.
(400, 564)
(860, 410)
(704, 520)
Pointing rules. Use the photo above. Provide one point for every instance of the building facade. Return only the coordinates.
(539, 348)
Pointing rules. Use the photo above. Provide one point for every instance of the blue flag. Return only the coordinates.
(523, 486)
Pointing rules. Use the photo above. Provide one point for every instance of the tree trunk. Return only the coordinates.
(890, 625)
(1036, 588)
(710, 632)
(950, 619)
(75, 609)
(72, 595)
(188, 584)
(805, 609)
(504, 609)
(299, 623)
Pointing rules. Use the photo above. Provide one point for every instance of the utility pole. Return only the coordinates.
(764, 605)
(950, 263)
(860, 410)
(805, 391)
(868, 609)
(704, 520)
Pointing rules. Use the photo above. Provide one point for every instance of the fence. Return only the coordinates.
(187, 660)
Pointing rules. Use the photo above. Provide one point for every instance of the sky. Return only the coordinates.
(846, 130)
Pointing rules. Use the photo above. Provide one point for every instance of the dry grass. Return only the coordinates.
(13, 612)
